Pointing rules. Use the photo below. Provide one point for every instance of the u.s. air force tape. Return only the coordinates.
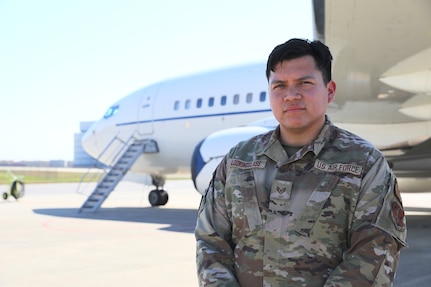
(338, 167)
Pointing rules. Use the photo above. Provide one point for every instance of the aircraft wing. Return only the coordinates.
(382, 68)
(382, 54)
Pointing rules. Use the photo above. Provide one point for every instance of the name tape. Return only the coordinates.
(246, 164)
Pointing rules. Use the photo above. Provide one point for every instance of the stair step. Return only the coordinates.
(113, 177)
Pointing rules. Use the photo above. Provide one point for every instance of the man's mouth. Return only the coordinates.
(293, 109)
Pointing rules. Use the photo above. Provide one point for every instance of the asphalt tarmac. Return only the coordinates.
(45, 241)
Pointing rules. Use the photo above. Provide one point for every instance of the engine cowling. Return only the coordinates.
(211, 150)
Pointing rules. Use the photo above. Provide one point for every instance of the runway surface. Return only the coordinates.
(44, 241)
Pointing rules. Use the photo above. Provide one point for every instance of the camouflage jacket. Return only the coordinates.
(330, 215)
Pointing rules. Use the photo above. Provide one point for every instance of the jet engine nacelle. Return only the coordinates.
(211, 150)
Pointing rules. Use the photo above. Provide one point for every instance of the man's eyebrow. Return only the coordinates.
(276, 82)
(307, 77)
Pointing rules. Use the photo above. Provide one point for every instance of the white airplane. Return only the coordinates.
(382, 67)
(174, 116)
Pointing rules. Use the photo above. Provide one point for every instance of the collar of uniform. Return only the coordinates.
(324, 136)
(274, 150)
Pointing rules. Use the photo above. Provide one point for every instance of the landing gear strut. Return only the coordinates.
(158, 196)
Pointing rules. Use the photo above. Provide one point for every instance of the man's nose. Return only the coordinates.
(292, 93)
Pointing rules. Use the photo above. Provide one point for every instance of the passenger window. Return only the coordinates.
(199, 103)
(211, 102)
(249, 98)
(187, 105)
(236, 99)
(176, 105)
(223, 100)
(262, 96)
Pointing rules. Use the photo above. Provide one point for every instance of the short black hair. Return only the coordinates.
(296, 48)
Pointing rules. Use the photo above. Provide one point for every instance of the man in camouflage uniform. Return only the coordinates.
(307, 204)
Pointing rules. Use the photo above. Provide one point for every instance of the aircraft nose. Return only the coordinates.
(89, 142)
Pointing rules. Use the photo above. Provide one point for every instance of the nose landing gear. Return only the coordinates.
(158, 196)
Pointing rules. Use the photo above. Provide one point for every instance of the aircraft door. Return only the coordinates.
(146, 110)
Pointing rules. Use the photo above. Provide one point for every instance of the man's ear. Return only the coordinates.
(331, 87)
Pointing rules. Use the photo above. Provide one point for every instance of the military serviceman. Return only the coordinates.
(307, 204)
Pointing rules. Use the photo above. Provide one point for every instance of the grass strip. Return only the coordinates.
(47, 176)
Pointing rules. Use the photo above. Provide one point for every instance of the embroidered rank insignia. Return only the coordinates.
(280, 189)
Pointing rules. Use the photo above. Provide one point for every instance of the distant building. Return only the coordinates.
(36, 163)
(81, 158)
(57, 163)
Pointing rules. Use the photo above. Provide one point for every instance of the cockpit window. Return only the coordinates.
(111, 111)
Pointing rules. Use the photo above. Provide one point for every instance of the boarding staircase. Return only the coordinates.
(128, 153)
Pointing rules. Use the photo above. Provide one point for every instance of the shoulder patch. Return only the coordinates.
(246, 164)
(391, 217)
(397, 213)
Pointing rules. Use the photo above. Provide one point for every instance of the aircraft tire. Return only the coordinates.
(17, 189)
(158, 197)
(5, 195)
(164, 197)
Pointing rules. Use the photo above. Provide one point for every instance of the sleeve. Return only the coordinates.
(214, 254)
(377, 233)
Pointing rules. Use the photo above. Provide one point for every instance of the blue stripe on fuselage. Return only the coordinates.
(192, 117)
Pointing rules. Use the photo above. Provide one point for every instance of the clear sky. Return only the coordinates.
(63, 62)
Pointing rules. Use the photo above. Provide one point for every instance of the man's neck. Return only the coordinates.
(299, 137)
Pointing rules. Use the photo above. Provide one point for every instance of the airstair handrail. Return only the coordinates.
(111, 159)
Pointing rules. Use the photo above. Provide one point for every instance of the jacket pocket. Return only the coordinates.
(315, 204)
(244, 200)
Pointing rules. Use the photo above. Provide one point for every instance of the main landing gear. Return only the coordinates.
(158, 196)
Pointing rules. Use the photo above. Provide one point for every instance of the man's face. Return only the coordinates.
(299, 97)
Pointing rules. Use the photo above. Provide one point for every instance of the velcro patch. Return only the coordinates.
(338, 167)
(246, 164)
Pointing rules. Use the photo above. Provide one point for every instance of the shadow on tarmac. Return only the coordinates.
(179, 220)
(182, 220)
(413, 268)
